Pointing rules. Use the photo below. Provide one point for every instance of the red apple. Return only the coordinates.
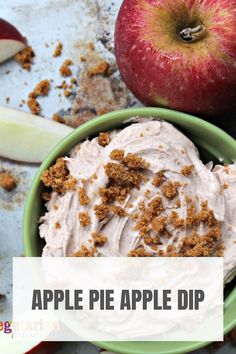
(11, 41)
(179, 53)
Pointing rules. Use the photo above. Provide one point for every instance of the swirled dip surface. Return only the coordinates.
(141, 191)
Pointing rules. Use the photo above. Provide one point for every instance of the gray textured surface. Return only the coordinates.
(47, 21)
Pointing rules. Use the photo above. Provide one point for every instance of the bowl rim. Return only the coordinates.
(91, 125)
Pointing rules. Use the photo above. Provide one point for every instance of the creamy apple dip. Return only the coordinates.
(139, 191)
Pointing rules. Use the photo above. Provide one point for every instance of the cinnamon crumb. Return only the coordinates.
(117, 155)
(135, 161)
(58, 118)
(113, 192)
(139, 252)
(101, 211)
(175, 220)
(83, 58)
(225, 186)
(122, 175)
(58, 177)
(34, 106)
(118, 210)
(187, 170)
(99, 239)
(55, 207)
(7, 181)
(84, 218)
(58, 50)
(159, 224)
(57, 225)
(158, 179)
(91, 46)
(25, 58)
(170, 190)
(220, 250)
(67, 93)
(83, 198)
(65, 70)
(99, 69)
(103, 139)
(41, 89)
(85, 252)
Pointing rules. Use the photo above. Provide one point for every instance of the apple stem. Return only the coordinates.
(191, 35)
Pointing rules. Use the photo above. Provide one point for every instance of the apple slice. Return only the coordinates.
(11, 41)
(28, 138)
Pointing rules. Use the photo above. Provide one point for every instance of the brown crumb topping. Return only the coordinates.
(65, 69)
(139, 252)
(83, 197)
(58, 177)
(113, 192)
(99, 239)
(34, 106)
(98, 69)
(25, 58)
(159, 224)
(117, 155)
(170, 190)
(158, 179)
(176, 221)
(58, 119)
(134, 161)
(85, 252)
(119, 211)
(41, 89)
(104, 139)
(101, 211)
(46, 196)
(58, 50)
(7, 181)
(123, 175)
(84, 218)
(187, 170)
(57, 225)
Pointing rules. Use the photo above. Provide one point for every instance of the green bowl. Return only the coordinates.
(213, 143)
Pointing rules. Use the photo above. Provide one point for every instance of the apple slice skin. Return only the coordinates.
(11, 41)
(28, 138)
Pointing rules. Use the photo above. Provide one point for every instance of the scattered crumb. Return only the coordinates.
(65, 70)
(7, 181)
(34, 106)
(41, 89)
(159, 224)
(83, 198)
(25, 58)
(101, 211)
(58, 50)
(84, 218)
(117, 155)
(158, 179)
(119, 211)
(139, 252)
(57, 225)
(134, 161)
(187, 170)
(58, 118)
(98, 69)
(83, 58)
(85, 252)
(103, 139)
(99, 239)
(91, 46)
(58, 177)
(170, 190)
